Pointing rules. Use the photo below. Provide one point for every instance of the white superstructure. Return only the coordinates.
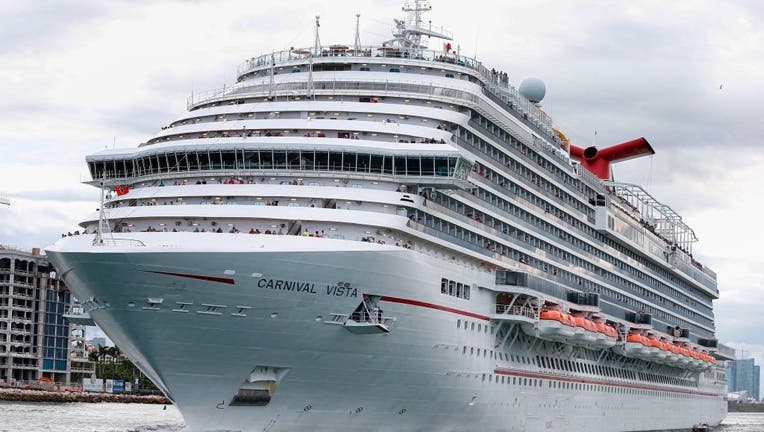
(392, 237)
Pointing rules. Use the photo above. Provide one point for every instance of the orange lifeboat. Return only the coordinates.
(654, 351)
(651, 341)
(685, 358)
(673, 355)
(586, 331)
(636, 346)
(606, 335)
(550, 314)
(590, 325)
(568, 320)
(553, 325)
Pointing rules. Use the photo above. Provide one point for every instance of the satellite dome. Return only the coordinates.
(533, 89)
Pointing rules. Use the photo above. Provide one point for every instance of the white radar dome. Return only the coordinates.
(533, 89)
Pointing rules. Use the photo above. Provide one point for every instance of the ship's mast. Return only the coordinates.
(415, 18)
(103, 225)
(408, 32)
(273, 72)
(317, 40)
(316, 52)
(357, 43)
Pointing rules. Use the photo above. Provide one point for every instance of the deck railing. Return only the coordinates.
(499, 88)
(525, 311)
(110, 241)
(376, 51)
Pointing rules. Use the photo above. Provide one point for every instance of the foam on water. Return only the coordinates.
(115, 417)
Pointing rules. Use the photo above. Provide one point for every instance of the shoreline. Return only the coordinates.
(22, 395)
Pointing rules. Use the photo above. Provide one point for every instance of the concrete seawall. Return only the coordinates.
(18, 395)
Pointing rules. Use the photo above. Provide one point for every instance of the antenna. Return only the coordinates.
(317, 41)
(270, 82)
(103, 223)
(357, 44)
(310, 77)
(101, 217)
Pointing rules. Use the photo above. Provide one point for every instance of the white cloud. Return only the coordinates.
(76, 76)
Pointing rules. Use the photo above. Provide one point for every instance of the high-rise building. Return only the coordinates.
(36, 341)
(743, 375)
(756, 377)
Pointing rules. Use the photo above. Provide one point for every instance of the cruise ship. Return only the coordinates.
(393, 237)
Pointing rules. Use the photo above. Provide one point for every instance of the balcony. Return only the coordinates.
(506, 95)
(514, 313)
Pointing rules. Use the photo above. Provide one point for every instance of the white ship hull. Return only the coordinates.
(199, 321)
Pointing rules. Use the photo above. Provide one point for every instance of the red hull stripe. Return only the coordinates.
(595, 382)
(433, 306)
(191, 276)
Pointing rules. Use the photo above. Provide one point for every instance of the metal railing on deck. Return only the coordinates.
(108, 241)
(375, 51)
(525, 311)
(326, 87)
(507, 94)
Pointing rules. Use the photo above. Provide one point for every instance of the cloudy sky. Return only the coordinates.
(79, 76)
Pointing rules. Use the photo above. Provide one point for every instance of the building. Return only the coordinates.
(98, 341)
(36, 340)
(743, 375)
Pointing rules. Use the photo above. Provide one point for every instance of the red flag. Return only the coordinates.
(448, 46)
(121, 190)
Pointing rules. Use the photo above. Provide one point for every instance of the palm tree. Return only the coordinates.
(100, 357)
(102, 352)
(114, 352)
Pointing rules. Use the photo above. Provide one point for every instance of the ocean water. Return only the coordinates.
(88, 417)
(115, 417)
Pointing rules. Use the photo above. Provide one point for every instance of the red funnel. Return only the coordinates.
(598, 160)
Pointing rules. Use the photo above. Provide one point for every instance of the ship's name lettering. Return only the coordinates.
(306, 287)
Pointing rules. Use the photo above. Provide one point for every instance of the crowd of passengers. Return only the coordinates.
(650, 227)
(353, 136)
(372, 239)
(228, 200)
(239, 180)
(216, 228)
(448, 55)
(228, 180)
(499, 77)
